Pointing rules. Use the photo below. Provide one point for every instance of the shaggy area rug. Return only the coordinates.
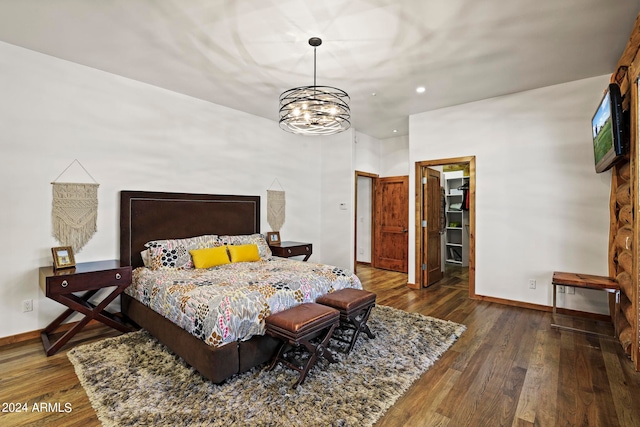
(133, 380)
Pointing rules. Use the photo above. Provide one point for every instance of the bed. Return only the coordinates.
(216, 349)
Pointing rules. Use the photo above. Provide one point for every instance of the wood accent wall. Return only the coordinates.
(624, 234)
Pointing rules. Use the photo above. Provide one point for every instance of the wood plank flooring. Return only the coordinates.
(508, 369)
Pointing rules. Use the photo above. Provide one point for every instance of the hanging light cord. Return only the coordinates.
(314, 72)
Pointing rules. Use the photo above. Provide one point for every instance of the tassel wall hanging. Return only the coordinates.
(275, 207)
(74, 211)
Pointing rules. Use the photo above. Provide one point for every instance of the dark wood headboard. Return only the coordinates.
(148, 215)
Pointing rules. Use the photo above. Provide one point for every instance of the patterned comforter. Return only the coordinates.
(229, 302)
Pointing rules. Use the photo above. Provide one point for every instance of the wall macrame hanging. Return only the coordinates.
(275, 207)
(74, 211)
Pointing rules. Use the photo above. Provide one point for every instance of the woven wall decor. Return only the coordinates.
(275, 209)
(74, 211)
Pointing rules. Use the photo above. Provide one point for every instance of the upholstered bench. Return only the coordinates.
(355, 307)
(298, 326)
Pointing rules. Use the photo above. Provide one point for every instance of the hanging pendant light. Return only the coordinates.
(314, 110)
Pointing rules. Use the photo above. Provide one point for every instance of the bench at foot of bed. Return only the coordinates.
(355, 306)
(296, 327)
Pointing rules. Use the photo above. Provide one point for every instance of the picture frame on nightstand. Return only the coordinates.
(273, 238)
(63, 257)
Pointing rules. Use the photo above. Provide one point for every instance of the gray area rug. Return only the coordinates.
(133, 380)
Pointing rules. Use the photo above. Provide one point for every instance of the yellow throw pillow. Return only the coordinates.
(244, 253)
(209, 257)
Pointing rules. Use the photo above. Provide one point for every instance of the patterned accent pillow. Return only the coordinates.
(248, 239)
(174, 253)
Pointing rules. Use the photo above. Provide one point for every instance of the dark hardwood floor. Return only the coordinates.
(508, 369)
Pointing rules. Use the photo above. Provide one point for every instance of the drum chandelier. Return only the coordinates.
(314, 110)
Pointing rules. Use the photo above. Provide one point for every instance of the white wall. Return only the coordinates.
(133, 136)
(540, 206)
(386, 157)
(337, 197)
(394, 156)
(367, 154)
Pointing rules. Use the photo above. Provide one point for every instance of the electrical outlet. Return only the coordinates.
(571, 290)
(27, 305)
(561, 289)
(532, 284)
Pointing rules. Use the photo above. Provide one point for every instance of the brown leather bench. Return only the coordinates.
(355, 307)
(298, 326)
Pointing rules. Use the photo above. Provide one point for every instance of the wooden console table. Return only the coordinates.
(60, 285)
(587, 281)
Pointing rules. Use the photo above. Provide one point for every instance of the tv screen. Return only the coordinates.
(607, 126)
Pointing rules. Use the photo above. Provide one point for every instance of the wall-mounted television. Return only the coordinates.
(607, 124)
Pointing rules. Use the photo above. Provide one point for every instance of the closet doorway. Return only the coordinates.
(450, 241)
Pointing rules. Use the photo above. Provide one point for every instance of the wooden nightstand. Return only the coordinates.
(89, 277)
(290, 249)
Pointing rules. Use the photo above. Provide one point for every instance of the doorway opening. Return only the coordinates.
(364, 208)
(445, 220)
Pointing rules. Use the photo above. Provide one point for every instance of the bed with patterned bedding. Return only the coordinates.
(229, 302)
(210, 317)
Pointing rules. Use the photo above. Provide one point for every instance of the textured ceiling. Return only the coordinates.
(243, 53)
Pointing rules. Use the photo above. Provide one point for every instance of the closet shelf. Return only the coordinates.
(456, 239)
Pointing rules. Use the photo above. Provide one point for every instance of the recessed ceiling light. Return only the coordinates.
(395, 131)
(373, 94)
(420, 89)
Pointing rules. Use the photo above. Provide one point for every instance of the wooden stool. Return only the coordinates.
(299, 325)
(355, 306)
